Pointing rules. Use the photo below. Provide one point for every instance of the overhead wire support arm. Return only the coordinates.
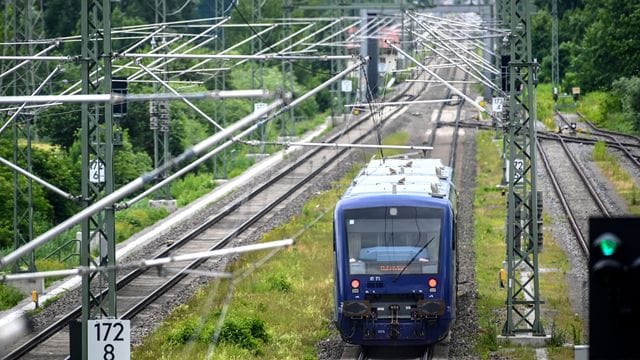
(26, 61)
(239, 57)
(235, 139)
(191, 105)
(159, 262)
(37, 90)
(115, 98)
(477, 75)
(38, 180)
(138, 183)
(444, 82)
(338, 145)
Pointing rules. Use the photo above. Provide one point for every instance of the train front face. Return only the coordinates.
(395, 270)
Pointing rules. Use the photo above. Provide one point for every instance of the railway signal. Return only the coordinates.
(614, 297)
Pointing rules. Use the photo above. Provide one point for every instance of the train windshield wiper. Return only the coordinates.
(413, 258)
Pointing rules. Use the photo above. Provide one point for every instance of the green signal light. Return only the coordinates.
(608, 243)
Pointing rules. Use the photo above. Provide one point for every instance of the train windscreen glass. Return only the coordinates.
(393, 239)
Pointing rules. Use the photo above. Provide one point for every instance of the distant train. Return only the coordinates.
(395, 254)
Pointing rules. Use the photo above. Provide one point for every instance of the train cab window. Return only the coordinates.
(385, 240)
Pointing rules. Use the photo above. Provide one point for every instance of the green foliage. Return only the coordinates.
(576, 333)
(279, 282)
(191, 187)
(489, 337)
(245, 332)
(60, 124)
(627, 90)
(182, 332)
(544, 101)
(9, 296)
(131, 221)
(600, 151)
(558, 336)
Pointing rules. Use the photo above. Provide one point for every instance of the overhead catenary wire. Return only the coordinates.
(138, 183)
(453, 88)
(236, 138)
(143, 264)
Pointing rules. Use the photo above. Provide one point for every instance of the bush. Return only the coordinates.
(279, 283)
(183, 332)
(9, 296)
(489, 337)
(191, 187)
(246, 333)
(130, 221)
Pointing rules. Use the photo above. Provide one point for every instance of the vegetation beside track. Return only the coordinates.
(623, 183)
(61, 253)
(489, 216)
(279, 311)
(544, 102)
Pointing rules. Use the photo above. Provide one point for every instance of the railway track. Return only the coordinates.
(629, 145)
(445, 146)
(565, 172)
(139, 289)
(432, 352)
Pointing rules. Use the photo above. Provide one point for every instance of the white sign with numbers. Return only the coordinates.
(346, 86)
(496, 104)
(96, 171)
(109, 339)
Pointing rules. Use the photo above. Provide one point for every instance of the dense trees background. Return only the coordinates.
(599, 43)
(56, 150)
(599, 50)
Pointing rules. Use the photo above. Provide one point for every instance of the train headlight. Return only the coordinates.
(355, 283)
(432, 282)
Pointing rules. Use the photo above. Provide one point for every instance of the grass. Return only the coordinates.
(398, 138)
(280, 311)
(594, 107)
(544, 102)
(489, 217)
(623, 183)
(296, 284)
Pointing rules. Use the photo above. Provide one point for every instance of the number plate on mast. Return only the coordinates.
(109, 339)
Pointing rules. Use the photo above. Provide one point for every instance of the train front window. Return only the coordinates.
(383, 240)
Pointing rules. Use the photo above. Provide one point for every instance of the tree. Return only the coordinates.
(610, 48)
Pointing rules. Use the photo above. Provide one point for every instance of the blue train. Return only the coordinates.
(395, 254)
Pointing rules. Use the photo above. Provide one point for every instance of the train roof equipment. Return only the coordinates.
(403, 176)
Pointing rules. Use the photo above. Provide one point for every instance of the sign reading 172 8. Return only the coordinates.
(109, 339)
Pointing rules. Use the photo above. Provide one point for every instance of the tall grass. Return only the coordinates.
(544, 102)
(623, 183)
(490, 238)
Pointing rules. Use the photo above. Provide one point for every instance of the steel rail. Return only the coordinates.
(454, 141)
(563, 200)
(126, 279)
(584, 178)
(610, 135)
(582, 241)
(610, 132)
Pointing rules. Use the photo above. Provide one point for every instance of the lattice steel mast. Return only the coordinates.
(219, 79)
(25, 24)
(159, 117)
(523, 291)
(287, 118)
(555, 61)
(99, 289)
